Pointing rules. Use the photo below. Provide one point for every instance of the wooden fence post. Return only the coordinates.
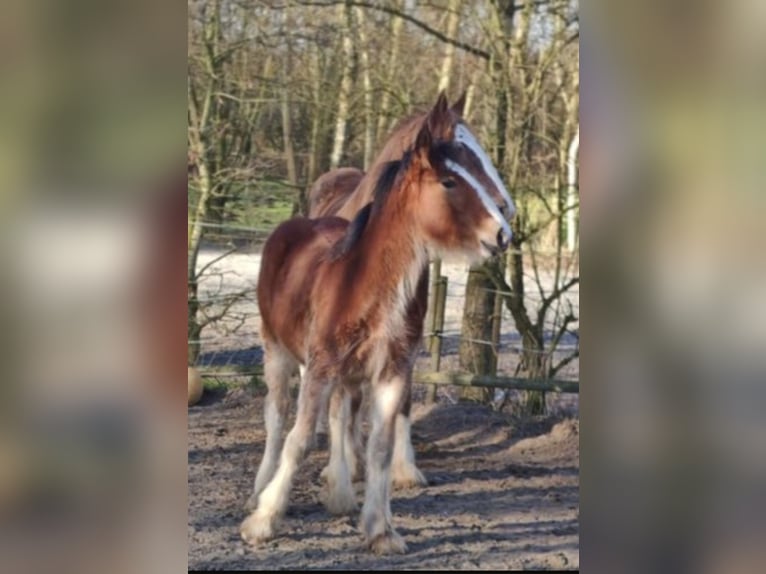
(439, 307)
(497, 323)
(436, 269)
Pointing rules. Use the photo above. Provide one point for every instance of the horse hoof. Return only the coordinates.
(257, 528)
(388, 543)
(340, 503)
(407, 477)
(252, 503)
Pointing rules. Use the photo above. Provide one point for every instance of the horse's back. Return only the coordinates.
(331, 191)
(290, 263)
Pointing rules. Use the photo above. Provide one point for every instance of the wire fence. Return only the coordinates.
(229, 345)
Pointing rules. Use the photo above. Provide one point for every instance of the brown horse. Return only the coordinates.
(343, 192)
(334, 295)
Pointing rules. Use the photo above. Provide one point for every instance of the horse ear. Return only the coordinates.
(424, 138)
(459, 105)
(438, 116)
(441, 102)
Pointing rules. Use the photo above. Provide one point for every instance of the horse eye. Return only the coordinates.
(449, 183)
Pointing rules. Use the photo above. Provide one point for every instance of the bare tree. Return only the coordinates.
(287, 122)
(364, 61)
(344, 95)
(279, 92)
(453, 19)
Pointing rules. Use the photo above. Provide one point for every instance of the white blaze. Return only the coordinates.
(465, 137)
(490, 206)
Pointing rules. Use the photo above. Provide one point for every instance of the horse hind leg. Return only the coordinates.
(339, 497)
(278, 367)
(404, 472)
(375, 519)
(272, 502)
(352, 435)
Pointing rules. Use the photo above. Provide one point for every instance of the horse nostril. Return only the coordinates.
(502, 241)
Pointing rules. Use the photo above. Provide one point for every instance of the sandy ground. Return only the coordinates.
(503, 494)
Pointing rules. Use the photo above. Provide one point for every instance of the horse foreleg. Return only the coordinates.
(272, 502)
(278, 366)
(404, 472)
(387, 396)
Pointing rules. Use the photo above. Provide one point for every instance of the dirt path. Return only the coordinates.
(503, 494)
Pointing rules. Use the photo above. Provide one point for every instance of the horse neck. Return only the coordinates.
(394, 248)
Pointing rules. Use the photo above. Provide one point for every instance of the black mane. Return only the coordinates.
(386, 180)
(353, 233)
(383, 186)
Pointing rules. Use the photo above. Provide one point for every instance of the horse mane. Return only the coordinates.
(353, 233)
(356, 228)
(387, 178)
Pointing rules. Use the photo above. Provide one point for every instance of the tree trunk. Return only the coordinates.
(479, 296)
(572, 192)
(344, 95)
(287, 136)
(364, 58)
(470, 91)
(453, 19)
(510, 75)
(287, 122)
(313, 159)
(319, 124)
(393, 60)
(533, 361)
(201, 111)
(476, 355)
(195, 235)
(194, 328)
(196, 228)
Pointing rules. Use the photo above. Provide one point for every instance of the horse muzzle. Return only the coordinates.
(502, 242)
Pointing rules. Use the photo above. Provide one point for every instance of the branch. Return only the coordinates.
(564, 362)
(532, 231)
(555, 294)
(208, 319)
(394, 12)
(570, 318)
(214, 260)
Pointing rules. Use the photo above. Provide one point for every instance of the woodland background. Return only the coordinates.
(281, 91)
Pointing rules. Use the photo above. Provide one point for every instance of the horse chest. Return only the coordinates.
(365, 347)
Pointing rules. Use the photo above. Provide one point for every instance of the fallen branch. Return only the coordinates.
(468, 380)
